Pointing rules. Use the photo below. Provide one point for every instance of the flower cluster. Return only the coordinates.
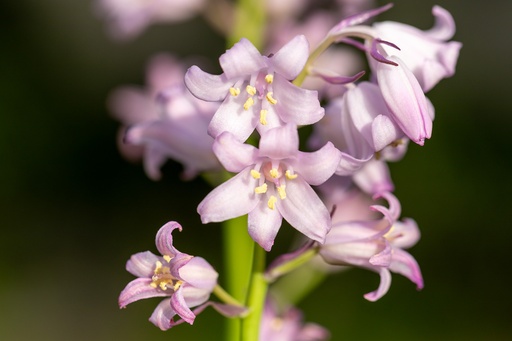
(248, 121)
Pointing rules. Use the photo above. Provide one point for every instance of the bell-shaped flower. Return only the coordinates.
(185, 280)
(288, 326)
(376, 245)
(273, 182)
(407, 104)
(256, 91)
(179, 134)
(428, 54)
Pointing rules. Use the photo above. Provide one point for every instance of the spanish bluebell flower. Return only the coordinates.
(288, 326)
(165, 120)
(256, 91)
(428, 54)
(376, 245)
(273, 182)
(186, 280)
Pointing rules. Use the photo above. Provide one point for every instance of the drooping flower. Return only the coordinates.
(186, 280)
(273, 182)
(256, 91)
(428, 54)
(128, 18)
(288, 326)
(376, 245)
(165, 120)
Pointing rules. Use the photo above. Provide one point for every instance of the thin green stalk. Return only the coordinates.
(238, 254)
(256, 299)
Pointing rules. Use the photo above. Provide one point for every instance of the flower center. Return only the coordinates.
(276, 175)
(258, 89)
(162, 277)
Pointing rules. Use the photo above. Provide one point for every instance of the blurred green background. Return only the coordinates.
(72, 210)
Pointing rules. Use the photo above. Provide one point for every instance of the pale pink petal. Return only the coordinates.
(304, 210)
(179, 305)
(233, 154)
(163, 314)
(296, 105)
(231, 199)
(291, 58)
(318, 166)
(280, 143)
(140, 289)
(142, 264)
(232, 117)
(243, 59)
(405, 264)
(264, 223)
(199, 273)
(206, 86)
(385, 283)
(164, 239)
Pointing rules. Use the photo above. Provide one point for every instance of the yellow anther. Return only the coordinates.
(289, 175)
(177, 285)
(269, 78)
(167, 258)
(281, 191)
(158, 266)
(271, 99)
(255, 174)
(271, 202)
(234, 91)
(274, 173)
(261, 189)
(249, 103)
(263, 116)
(251, 90)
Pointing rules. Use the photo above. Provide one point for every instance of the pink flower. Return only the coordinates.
(186, 280)
(273, 182)
(376, 245)
(255, 90)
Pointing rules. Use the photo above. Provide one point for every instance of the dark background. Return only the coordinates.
(72, 210)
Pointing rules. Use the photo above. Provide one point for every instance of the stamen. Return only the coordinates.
(271, 202)
(261, 189)
(234, 91)
(269, 78)
(263, 116)
(274, 173)
(281, 191)
(177, 285)
(251, 90)
(249, 103)
(167, 258)
(289, 175)
(270, 98)
(255, 174)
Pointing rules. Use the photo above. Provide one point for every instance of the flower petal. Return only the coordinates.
(179, 305)
(304, 210)
(405, 264)
(296, 105)
(280, 143)
(444, 27)
(140, 289)
(199, 273)
(264, 223)
(142, 264)
(385, 283)
(231, 199)
(163, 314)
(317, 167)
(164, 239)
(243, 59)
(233, 118)
(206, 86)
(233, 154)
(291, 58)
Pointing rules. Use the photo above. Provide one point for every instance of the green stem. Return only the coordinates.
(256, 299)
(225, 297)
(238, 250)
